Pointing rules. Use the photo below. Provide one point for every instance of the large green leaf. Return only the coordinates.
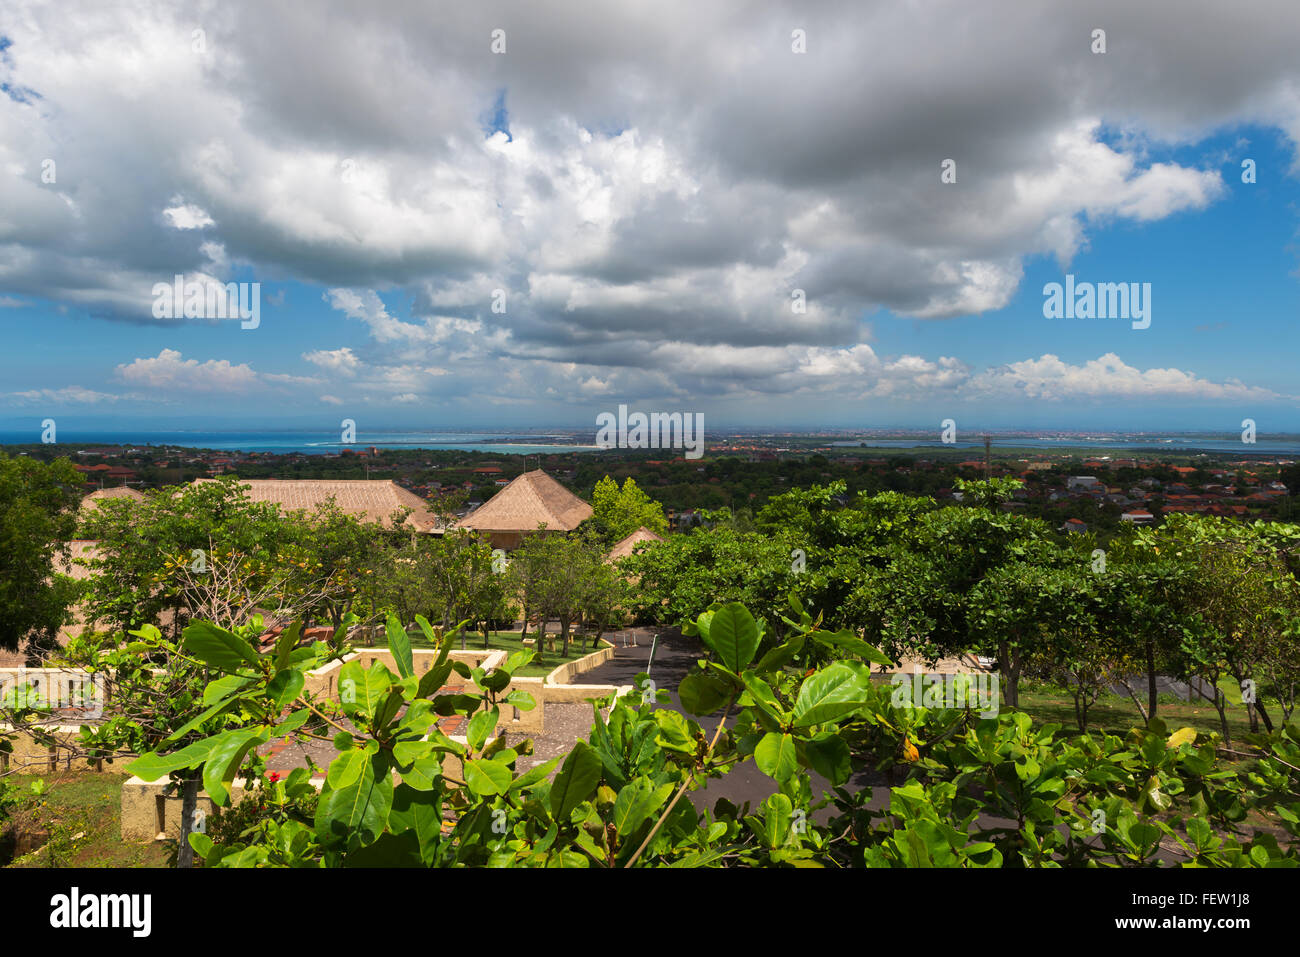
(358, 812)
(433, 679)
(636, 802)
(223, 762)
(347, 768)
(150, 767)
(221, 688)
(217, 647)
(775, 755)
(763, 696)
(828, 754)
(520, 699)
(399, 643)
(389, 850)
(285, 645)
(577, 780)
(486, 776)
(674, 732)
(852, 643)
(419, 812)
(480, 726)
(388, 710)
(425, 773)
(782, 653)
(201, 718)
(284, 688)
(733, 634)
(834, 691)
(363, 689)
(774, 827)
(703, 693)
(533, 775)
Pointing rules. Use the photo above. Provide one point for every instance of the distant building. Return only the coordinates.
(1074, 525)
(627, 546)
(1138, 517)
(1081, 483)
(516, 511)
(371, 500)
(91, 501)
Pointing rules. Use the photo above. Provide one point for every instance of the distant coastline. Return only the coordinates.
(311, 443)
(523, 442)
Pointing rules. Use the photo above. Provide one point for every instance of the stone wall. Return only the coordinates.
(151, 810)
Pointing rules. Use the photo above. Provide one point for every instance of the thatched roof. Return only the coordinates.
(530, 500)
(79, 550)
(371, 500)
(91, 501)
(625, 547)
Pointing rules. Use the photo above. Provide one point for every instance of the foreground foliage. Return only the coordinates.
(962, 790)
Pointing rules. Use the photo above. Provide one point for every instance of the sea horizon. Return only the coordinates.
(502, 442)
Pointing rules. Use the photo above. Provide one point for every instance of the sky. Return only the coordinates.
(802, 214)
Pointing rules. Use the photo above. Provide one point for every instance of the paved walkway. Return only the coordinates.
(675, 655)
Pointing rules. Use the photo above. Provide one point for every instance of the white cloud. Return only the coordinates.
(1108, 377)
(188, 216)
(170, 372)
(342, 361)
(661, 194)
(69, 395)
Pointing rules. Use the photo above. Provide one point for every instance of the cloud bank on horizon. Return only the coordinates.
(639, 190)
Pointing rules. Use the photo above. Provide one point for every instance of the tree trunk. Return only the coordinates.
(1263, 714)
(189, 802)
(1151, 680)
(1221, 705)
(1010, 674)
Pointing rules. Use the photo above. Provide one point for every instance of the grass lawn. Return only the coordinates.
(75, 822)
(508, 641)
(1116, 714)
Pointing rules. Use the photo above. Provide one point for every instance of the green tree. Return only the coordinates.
(618, 512)
(145, 549)
(678, 578)
(38, 503)
(528, 581)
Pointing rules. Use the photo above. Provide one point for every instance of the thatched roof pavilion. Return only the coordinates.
(532, 499)
(628, 545)
(371, 500)
(91, 501)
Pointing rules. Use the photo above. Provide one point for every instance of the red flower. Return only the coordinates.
(274, 776)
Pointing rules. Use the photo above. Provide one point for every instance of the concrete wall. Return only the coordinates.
(566, 672)
(71, 690)
(151, 810)
(324, 681)
(31, 756)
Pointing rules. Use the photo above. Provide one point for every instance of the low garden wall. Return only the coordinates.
(32, 756)
(324, 681)
(559, 683)
(151, 810)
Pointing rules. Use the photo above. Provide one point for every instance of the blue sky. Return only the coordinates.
(644, 217)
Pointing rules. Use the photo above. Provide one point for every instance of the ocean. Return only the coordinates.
(503, 443)
(311, 443)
